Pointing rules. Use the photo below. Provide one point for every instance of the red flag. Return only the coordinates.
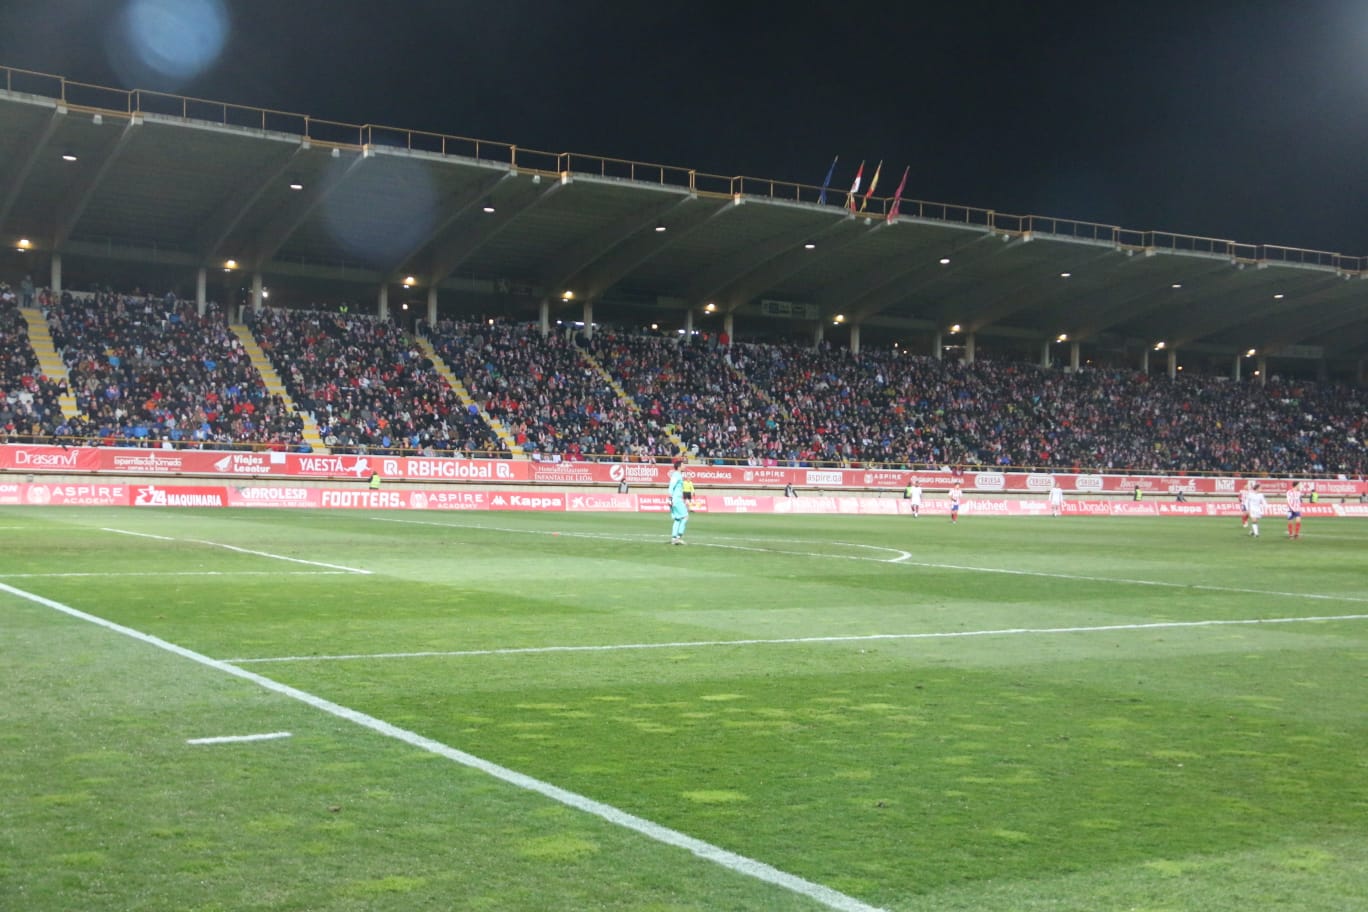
(854, 189)
(897, 195)
(873, 182)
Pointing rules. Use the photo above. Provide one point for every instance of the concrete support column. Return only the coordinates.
(969, 353)
(1073, 356)
(544, 317)
(382, 302)
(937, 345)
(1144, 361)
(55, 281)
(818, 334)
(201, 290)
(729, 327)
(1262, 367)
(1322, 370)
(1045, 353)
(1172, 363)
(688, 322)
(855, 339)
(1235, 371)
(256, 292)
(432, 306)
(588, 319)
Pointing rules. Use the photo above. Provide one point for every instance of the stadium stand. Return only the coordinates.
(151, 371)
(553, 402)
(368, 385)
(29, 406)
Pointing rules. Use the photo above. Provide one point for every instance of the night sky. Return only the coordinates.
(1243, 120)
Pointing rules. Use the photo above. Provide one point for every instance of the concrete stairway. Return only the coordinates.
(51, 363)
(275, 386)
(467, 400)
(626, 399)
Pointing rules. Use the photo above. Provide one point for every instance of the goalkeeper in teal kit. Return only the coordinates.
(679, 508)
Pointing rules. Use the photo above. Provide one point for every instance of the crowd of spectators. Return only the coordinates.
(368, 386)
(151, 371)
(688, 386)
(29, 400)
(548, 396)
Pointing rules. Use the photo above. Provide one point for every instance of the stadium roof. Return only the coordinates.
(88, 171)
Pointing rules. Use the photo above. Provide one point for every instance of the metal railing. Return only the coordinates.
(138, 102)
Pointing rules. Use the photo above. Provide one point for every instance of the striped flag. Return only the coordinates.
(897, 195)
(873, 182)
(821, 197)
(854, 188)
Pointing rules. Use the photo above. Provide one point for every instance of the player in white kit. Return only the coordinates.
(913, 495)
(1256, 505)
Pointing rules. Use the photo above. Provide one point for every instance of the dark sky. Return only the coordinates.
(1241, 120)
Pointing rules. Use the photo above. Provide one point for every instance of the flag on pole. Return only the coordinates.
(873, 182)
(854, 189)
(897, 195)
(821, 198)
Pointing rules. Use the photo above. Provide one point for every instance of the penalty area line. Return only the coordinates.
(789, 641)
(739, 864)
(280, 557)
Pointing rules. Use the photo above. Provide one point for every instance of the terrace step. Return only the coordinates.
(446, 373)
(49, 361)
(276, 387)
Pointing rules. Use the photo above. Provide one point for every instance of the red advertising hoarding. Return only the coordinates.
(34, 460)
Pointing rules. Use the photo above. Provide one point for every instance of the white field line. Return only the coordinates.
(279, 557)
(730, 860)
(784, 641)
(904, 558)
(238, 739)
(162, 573)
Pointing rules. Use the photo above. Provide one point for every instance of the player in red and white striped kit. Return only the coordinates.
(1294, 511)
(1244, 504)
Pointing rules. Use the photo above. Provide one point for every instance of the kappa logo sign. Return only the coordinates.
(527, 502)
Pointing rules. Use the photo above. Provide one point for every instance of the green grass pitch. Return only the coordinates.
(832, 712)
